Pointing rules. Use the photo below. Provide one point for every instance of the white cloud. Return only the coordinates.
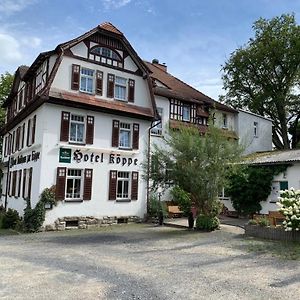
(33, 42)
(9, 49)
(115, 4)
(12, 6)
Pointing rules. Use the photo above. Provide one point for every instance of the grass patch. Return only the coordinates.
(281, 249)
(4, 232)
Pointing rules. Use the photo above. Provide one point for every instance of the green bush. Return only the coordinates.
(182, 199)
(157, 207)
(207, 223)
(252, 222)
(10, 219)
(35, 217)
(263, 221)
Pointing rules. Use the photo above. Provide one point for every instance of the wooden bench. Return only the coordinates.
(276, 218)
(174, 211)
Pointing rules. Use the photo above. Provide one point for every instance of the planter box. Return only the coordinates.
(272, 233)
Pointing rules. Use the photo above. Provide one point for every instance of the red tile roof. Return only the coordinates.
(116, 106)
(110, 27)
(180, 90)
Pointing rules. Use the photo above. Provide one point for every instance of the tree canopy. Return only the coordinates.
(263, 76)
(196, 164)
(6, 81)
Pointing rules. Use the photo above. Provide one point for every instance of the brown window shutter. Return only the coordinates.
(135, 137)
(99, 83)
(64, 126)
(110, 85)
(20, 182)
(60, 183)
(89, 130)
(115, 133)
(26, 93)
(30, 91)
(88, 181)
(28, 133)
(14, 184)
(131, 84)
(33, 130)
(112, 194)
(29, 183)
(9, 183)
(134, 185)
(23, 136)
(75, 77)
(5, 146)
(24, 183)
(17, 138)
(13, 142)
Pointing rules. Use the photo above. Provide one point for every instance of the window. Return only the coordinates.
(123, 180)
(86, 80)
(77, 129)
(157, 129)
(125, 136)
(186, 113)
(120, 88)
(225, 123)
(106, 55)
(74, 184)
(255, 129)
(222, 195)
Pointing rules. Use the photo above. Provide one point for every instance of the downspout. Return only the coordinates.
(148, 163)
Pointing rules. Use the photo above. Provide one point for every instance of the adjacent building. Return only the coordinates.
(83, 116)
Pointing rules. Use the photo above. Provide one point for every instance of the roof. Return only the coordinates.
(110, 27)
(251, 113)
(96, 103)
(178, 89)
(273, 157)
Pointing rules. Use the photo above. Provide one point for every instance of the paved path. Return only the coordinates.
(142, 262)
(182, 222)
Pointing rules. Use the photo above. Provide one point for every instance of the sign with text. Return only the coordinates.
(65, 155)
(112, 158)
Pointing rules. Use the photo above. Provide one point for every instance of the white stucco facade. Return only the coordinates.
(254, 131)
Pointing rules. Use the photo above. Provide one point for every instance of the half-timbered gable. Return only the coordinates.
(79, 118)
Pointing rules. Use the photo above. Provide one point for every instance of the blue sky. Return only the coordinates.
(193, 37)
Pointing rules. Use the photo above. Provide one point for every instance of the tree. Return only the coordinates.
(6, 81)
(263, 76)
(196, 164)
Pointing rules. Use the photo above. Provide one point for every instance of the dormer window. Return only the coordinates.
(107, 56)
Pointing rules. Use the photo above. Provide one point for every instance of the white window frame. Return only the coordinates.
(128, 128)
(78, 123)
(157, 128)
(73, 178)
(122, 179)
(87, 76)
(186, 106)
(121, 85)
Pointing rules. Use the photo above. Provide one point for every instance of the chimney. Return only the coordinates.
(162, 67)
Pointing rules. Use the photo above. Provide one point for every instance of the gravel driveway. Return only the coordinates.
(142, 262)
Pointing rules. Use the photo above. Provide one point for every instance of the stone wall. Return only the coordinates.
(88, 222)
(272, 233)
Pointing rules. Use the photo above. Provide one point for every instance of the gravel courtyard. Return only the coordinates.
(142, 262)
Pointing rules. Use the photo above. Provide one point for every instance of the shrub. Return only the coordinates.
(289, 202)
(157, 207)
(252, 222)
(207, 223)
(10, 219)
(34, 218)
(263, 221)
(182, 199)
